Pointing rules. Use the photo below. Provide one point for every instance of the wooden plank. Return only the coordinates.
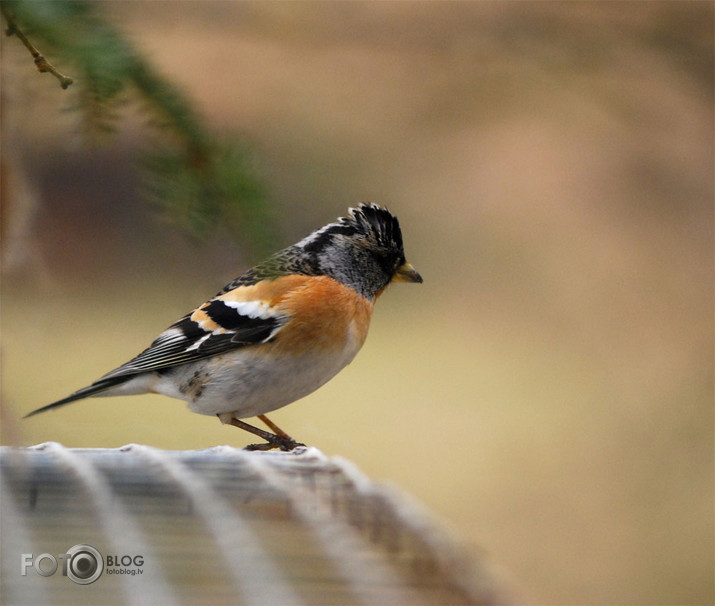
(220, 526)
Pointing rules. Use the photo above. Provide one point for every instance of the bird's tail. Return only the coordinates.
(91, 390)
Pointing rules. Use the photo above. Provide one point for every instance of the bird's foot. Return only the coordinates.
(280, 439)
(284, 444)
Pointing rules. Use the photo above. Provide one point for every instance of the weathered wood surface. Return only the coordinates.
(223, 526)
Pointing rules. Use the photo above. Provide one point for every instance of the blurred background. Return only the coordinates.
(548, 390)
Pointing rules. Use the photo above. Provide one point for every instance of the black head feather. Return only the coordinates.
(378, 225)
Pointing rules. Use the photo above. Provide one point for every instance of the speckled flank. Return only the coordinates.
(193, 387)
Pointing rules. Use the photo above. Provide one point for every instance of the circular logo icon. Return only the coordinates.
(85, 564)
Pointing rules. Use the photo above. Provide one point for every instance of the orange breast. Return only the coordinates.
(325, 315)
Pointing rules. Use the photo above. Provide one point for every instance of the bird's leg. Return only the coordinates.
(273, 440)
(274, 428)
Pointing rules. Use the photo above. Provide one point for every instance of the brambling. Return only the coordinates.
(274, 334)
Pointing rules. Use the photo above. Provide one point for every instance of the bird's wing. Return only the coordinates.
(237, 318)
(247, 312)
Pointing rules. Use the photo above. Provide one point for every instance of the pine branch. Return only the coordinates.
(42, 64)
(204, 182)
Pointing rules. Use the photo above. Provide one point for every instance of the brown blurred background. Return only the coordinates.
(548, 390)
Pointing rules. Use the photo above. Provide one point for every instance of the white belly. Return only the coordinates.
(247, 385)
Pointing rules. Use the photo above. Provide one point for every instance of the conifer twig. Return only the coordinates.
(42, 64)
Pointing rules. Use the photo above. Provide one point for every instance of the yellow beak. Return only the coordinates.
(406, 273)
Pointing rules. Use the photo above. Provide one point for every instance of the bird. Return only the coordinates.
(275, 334)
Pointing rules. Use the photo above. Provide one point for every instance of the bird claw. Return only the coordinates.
(284, 444)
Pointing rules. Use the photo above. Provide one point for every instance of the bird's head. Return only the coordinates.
(363, 250)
